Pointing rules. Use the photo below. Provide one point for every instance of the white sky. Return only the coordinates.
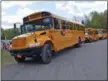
(14, 11)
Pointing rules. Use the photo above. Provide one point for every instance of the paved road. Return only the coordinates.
(86, 63)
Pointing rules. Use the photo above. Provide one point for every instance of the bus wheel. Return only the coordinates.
(19, 60)
(87, 40)
(46, 54)
(90, 40)
(79, 43)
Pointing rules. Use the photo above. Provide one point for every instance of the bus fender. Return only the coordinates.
(49, 42)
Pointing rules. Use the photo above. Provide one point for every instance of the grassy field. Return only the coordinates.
(6, 58)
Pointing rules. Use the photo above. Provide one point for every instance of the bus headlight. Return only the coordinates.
(87, 36)
(100, 35)
(34, 45)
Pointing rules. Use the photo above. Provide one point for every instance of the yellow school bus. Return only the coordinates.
(43, 33)
(104, 33)
(91, 34)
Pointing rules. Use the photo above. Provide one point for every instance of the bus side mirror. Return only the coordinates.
(21, 29)
(82, 21)
(17, 30)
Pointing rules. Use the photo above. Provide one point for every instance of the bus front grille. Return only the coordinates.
(19, 43)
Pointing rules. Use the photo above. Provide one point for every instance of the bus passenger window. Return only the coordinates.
(68, 26)
(71, 26)
(83, 28)
(74, 26)
(77, 27)
(80, 28)
(56, 24)
(63, 25)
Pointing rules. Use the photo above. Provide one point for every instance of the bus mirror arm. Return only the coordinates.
(14, 28)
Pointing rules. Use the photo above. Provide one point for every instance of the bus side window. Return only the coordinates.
(56, 24)
(80, 28)
(63, 25)
(83, 28)
(67, 25)
(77, 27)
(71, 26)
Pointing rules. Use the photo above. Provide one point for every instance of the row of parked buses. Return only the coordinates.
(93, 34)
(43, 33)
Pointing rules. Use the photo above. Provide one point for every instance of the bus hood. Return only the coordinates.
(23, 41)
(37, 33)
(22, 36)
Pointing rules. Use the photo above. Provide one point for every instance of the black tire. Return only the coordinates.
(19, 60)
(87, 40)
(46, 55)
(91, 40)
(79, 43)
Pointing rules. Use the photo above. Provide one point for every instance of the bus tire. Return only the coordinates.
(46, 55)
(87, 40)
(19, 60)
(90, 40)
(79, 43)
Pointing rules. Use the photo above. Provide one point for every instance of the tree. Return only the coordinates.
(8, 34)
(95, 20)
(106, 18)
(2, 34)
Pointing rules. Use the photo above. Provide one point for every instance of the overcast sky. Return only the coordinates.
(14, 11)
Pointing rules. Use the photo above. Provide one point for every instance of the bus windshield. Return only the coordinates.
(90, 32)
(36, 25)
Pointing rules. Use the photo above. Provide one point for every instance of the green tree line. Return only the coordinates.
(8, 34)
(95, 20)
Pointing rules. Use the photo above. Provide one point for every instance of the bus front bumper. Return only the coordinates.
(27, 52)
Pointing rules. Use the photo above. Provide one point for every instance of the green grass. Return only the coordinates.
(6, 58)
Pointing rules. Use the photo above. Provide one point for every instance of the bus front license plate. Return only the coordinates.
(19, 56)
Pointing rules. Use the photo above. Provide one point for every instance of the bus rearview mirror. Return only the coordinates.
(17, 29)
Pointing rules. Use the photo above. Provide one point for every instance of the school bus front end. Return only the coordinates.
(91, 34)
(26, 45)
(88, 35)
(34, 41)
(43, 33)
(105, 33)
